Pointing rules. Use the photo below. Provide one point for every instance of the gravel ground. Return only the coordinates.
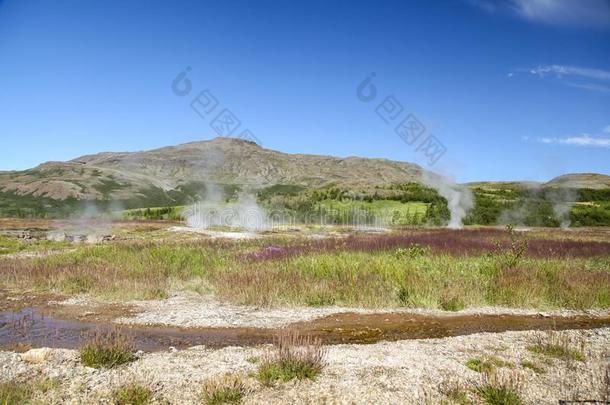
(412, 372)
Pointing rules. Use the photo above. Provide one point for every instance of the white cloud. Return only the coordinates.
(580, 77)
(566, 70)
(582, 13)
(580, 140)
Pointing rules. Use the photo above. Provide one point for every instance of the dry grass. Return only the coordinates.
(295, 356)
(227, 389)
(454, 392)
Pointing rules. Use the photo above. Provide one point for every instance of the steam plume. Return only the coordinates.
(245, 213)
(459, 198)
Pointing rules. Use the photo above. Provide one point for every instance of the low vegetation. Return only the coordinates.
(132, 394)
(429, 268)
(499, 390)
(442, 269)
(107, 349)
(14, 392)
(227, 389)
(486, 365)
(454, 393)
(294, 357)
(559, 345)
(533, 366)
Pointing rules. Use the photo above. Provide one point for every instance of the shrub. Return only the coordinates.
(107, 348)
(228, 389)
(132, 394)
(510, 255)
(295, 356)
(558, 345)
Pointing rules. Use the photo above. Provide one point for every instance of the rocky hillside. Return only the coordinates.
(178, 175)
(124, 176)
(581, 180)
(573, 180)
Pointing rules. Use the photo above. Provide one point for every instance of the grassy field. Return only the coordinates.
(386, 212)
(441, 269)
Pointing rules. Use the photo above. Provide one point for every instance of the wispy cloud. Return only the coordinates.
(579, 77)
(580, 140)
(564, 70)
(581, 13)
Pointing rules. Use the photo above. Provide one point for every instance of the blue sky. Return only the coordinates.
(513, 89)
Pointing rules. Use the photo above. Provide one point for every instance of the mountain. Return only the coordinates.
(581, 180)
(572, 180)
(182, 168)
(176, 175)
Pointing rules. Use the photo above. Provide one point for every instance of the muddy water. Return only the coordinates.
(31, 328)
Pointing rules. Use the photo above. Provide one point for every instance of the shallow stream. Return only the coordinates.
(29, 327)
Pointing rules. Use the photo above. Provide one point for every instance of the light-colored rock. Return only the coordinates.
(36, 356)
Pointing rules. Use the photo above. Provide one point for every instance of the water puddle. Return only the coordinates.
(30, 327)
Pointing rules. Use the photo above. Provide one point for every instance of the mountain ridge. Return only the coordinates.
(126, 175)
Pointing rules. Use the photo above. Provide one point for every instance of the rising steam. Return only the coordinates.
(245, 213)
(459, 198)
(562, 199)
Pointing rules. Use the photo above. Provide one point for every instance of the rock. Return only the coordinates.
(36, 356)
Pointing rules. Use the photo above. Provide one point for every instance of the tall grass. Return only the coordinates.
(107, 349)
(294, 357)
(444, 241)
(432, 281)
(431, 269)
